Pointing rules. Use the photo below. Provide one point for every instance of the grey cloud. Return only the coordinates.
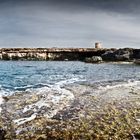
(55, 24)
(125, 6)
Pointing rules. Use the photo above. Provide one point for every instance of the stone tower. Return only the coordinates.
(98, 45)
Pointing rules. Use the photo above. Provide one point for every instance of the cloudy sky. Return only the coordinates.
(69, 23)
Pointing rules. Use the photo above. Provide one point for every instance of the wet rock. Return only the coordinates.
(136, 53)
(108, 56)
(123, 55)
(118, 55)
(135, 136)
(137, 61)
(28, 113)
(67, 113)
(112, 113)
(2, 134)
(5, 98)
(5, 56)
(93, 59)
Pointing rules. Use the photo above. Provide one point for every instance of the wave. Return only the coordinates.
(24, 88)
(129, 83)
(8, 90)
(68, 81)
(52, 98)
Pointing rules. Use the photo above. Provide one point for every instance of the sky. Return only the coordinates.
(69, 23)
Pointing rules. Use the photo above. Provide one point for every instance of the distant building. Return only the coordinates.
(98, 45)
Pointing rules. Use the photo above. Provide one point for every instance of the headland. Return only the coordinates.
(70, 54)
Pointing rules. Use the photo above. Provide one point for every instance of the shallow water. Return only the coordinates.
(23, 75)
(43, 91)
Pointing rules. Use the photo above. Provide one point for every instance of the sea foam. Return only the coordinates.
(53, 97)
(129, 83)
(1, 102)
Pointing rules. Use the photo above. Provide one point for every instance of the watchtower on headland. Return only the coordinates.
(98, 45)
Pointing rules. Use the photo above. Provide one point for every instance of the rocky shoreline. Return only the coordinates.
(70, 54)
(110, 113)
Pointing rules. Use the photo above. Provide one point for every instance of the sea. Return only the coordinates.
(29, 75)
(50, 87)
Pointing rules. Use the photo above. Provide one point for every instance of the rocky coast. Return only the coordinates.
(61, 54)
(70, 109)
(76, 112)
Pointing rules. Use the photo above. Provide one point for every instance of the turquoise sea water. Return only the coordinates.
(22, 75)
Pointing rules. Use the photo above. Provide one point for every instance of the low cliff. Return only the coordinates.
(68, 54)
(49, 53)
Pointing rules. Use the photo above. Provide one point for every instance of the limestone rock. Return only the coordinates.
(71, 54)
(93, 59)
(5, 56)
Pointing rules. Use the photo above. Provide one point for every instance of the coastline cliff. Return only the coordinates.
(70, 54)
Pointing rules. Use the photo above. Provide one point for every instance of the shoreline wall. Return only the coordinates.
(70, 54)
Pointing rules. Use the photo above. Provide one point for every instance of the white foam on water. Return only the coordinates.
(26, 87)
(1, 102)
(127, 84)
(123, 62)
(4, 92)
(51, 97)
(68, 81)
(54, 97)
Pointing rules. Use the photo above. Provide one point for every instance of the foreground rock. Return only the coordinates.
(110, 113)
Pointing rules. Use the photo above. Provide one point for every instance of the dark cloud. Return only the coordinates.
(109, 5)
(64, 23)
(106, 4)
